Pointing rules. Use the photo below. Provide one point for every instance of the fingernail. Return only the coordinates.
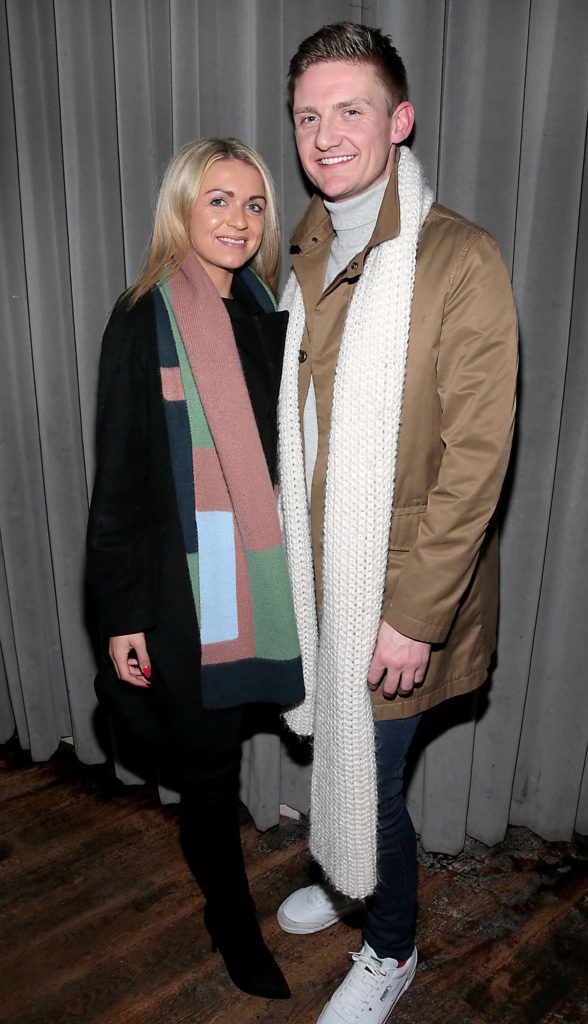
(146, 670)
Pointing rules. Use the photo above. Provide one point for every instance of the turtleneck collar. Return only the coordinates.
(353, 222)
(359, 211)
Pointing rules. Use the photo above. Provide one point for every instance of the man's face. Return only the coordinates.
(345, 133)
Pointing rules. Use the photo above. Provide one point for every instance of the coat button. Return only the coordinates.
(302, 356)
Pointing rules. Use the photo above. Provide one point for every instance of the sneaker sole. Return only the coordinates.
(306, 928)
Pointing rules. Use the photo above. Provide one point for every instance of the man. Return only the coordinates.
(396, 420)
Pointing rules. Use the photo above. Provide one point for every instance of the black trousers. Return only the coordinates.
(205, 747)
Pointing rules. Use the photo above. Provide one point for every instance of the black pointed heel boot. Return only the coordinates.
(211, 841)
(250, 965)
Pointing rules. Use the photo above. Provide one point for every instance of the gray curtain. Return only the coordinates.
(95, 95)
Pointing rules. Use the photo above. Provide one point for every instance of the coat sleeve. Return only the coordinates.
(120, 552)
(476, 387)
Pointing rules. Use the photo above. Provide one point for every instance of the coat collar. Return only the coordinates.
(314, 227)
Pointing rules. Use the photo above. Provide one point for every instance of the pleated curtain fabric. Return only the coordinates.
(95, 95)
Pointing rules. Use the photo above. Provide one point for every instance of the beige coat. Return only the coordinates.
(455, 435)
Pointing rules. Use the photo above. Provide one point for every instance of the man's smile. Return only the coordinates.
(327, 161)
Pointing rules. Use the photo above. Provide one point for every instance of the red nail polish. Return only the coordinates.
(146, 670)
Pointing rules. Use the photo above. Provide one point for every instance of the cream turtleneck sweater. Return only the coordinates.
(353, 222)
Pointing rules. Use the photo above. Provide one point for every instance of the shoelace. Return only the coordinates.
(361, 983)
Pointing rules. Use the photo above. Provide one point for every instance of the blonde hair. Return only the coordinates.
(170, 237)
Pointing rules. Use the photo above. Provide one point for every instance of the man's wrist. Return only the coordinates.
(416, 629)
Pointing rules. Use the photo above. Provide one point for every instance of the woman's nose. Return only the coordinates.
(236, 217)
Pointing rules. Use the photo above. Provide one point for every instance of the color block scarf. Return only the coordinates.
(226, 501)
(361, 467)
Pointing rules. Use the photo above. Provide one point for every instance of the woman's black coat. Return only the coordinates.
(136, 562)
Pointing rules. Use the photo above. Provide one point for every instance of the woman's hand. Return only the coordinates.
(133, 670)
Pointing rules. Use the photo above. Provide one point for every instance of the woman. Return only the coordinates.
(185, 560)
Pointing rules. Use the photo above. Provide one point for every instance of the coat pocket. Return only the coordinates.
(405, 526)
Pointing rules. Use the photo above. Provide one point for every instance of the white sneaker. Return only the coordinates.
(313, 908)
(370, 991)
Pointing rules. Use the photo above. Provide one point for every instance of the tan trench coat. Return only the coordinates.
(454, 442)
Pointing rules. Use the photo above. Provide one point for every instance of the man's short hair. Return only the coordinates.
(349, 42)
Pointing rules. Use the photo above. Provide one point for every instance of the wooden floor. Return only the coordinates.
(100, 921)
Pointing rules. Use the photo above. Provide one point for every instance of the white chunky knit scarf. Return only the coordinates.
(361, 467)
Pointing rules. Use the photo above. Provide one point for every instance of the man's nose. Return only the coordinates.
(327, 136)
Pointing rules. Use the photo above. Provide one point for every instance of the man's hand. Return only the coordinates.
(133, 670)
(403, 660)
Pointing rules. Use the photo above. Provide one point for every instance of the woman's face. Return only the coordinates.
(228, 220)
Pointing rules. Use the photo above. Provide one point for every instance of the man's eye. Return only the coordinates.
(307, 119)
(352, 112)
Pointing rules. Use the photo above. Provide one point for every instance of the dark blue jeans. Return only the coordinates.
(391, 910)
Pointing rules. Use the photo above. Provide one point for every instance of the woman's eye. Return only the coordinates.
(217, 201)
(256, 208)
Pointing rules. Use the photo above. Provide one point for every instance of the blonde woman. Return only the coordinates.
(185, 558)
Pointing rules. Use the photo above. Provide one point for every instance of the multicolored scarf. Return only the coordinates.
(226, 501)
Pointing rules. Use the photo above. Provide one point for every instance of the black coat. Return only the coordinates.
(136, 563)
